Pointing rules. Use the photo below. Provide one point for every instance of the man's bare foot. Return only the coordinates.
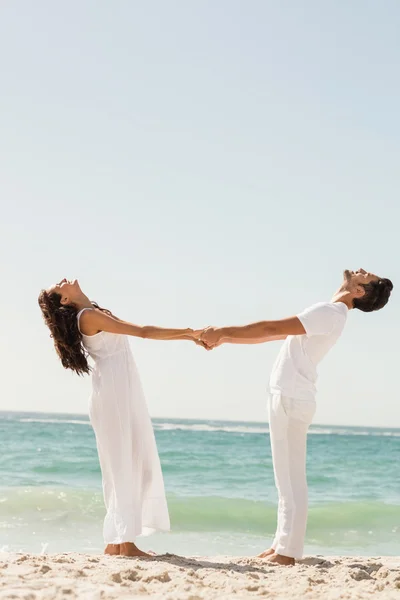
(129, 549)
(279, 559)
(112, 549)
(266, 553)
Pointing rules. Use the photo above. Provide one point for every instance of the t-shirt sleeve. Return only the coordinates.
(319, 319)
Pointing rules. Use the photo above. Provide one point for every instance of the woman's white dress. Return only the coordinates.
(133, 484)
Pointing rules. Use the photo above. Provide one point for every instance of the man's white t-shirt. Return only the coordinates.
(295, 370)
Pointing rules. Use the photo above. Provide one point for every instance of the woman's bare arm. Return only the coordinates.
(94, 321)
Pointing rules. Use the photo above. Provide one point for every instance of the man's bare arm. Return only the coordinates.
(254, 333)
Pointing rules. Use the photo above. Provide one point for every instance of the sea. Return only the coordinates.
(219, 482)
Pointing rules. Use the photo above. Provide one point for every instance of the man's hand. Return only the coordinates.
(198, 340)
(211, 336)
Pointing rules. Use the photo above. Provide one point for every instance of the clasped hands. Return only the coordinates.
(209, 337)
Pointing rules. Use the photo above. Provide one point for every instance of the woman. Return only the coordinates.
(133, 484)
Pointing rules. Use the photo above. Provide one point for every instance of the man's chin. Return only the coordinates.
(347, 275)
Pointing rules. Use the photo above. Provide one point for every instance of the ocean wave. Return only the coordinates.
(71, 507)
(263, 429)
(55, 421)
(315, 430)
(223, 427)
(210, 428)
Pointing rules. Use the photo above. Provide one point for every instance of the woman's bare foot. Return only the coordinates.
(129, 549)
(279, 559)
(112, 549)
(266, 553)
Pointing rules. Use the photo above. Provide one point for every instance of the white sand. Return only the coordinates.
(169, 577)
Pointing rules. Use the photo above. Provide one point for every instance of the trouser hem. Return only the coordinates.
(279, 549)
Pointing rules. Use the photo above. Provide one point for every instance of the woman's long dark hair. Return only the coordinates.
(63, 324)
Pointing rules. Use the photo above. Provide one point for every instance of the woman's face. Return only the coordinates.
(68, 290)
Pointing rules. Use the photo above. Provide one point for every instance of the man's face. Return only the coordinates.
(353, 279)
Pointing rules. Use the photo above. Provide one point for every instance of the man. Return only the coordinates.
(309, 336)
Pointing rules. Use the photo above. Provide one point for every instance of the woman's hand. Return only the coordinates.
(212, 337)
(197, 338)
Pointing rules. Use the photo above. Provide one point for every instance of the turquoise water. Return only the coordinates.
(219, 482)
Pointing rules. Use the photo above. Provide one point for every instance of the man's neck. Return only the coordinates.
(343, 296)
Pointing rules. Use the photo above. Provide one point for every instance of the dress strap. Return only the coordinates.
(78, 316)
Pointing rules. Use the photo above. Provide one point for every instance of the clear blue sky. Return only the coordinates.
(198, 163)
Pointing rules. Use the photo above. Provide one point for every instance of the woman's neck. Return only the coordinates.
(82, 302)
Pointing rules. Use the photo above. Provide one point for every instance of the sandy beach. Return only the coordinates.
(170, 577)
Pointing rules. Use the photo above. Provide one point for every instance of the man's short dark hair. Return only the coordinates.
(376, 295)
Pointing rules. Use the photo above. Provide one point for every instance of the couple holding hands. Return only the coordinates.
(132, 479)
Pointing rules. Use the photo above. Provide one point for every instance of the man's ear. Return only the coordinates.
(359, 292)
